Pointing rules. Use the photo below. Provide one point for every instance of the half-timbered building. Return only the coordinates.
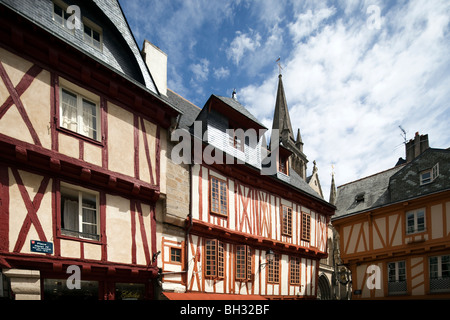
(82, 132)
(394, 227)
(250, 233)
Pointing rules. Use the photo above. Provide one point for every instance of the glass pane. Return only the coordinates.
(68, 111)
(56, 289)
(88, 32)
(89, 119)
(130, 291)
(69, 209)
(89, 200)
(420, 221)
(445, 264)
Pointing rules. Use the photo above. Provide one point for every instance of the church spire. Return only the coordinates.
(332, 189)
(281, 119)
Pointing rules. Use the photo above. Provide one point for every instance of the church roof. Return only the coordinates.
(281, 119)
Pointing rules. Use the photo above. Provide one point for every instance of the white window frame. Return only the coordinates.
(80, 121)
(81, 192)
(90, 39)
(428, 176)
(415, 215)
(443, 282)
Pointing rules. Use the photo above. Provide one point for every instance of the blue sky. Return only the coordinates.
(353, 71)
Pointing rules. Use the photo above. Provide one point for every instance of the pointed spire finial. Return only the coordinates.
(279, 66)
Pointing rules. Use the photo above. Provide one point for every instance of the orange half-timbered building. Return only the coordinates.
(82, 129)
(249, 234)
(394, 227)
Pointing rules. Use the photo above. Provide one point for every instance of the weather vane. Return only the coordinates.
(279, 65)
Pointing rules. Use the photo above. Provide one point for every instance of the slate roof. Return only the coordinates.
(240, 108)
(189, 110)
(397, 184)
(120, 51)
(373, 189)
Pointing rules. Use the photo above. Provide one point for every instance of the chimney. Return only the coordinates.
(156, 61)
(416, 146)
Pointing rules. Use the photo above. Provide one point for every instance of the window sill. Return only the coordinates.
(64, 234)
(79, 136)
(221, 215)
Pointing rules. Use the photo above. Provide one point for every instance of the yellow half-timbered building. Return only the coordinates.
(394, 227)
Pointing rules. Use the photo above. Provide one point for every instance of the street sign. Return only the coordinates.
(41, 246)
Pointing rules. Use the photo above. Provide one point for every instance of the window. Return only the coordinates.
(415, 221)
(244, 257)
(59, 14)
(92, 34)
(219, 202)
(78, 114)
(79, 212)
(306, 226)
(175, 255)
(236, 138)
(440, 273)
(214, 259)
(283, 165)
(430, 175)
(286, 221)
(397, 278)
(273, 272)
(294, 270)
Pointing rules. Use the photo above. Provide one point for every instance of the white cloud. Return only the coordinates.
(221, 73)
(309, 22)
(243, 43)
(349, 87)
(200, 70)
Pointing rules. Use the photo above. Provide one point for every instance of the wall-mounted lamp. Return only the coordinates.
(155, 256)
(269, 258)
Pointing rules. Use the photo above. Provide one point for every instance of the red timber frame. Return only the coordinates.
(46, 52)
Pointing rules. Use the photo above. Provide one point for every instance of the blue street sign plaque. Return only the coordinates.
(41, 246)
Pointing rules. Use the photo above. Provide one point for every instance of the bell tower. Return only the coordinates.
(282, 123)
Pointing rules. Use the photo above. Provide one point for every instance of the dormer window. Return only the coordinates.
(360, 197)
(236, 139)
(283, 165)
(59, 13)
(92, 34)
(429, 175)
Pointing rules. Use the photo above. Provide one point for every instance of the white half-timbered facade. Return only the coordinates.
(248, 233)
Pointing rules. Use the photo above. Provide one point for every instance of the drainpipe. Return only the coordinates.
(186, 242)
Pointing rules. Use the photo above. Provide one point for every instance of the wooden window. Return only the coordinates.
(236, 138)
(175, 255)
(93, 34)
(429, 175)
(273, 272)
(415, 221)
(295, 270)
(283, 165)
(244, 259)
(219, 198)
(60, 14)
(214, 259)
(79, 114)
(286, 220)
(79, 212)
(439, 273)
(306, 226)
(211, 258)
(220, 260)
(397, 284)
